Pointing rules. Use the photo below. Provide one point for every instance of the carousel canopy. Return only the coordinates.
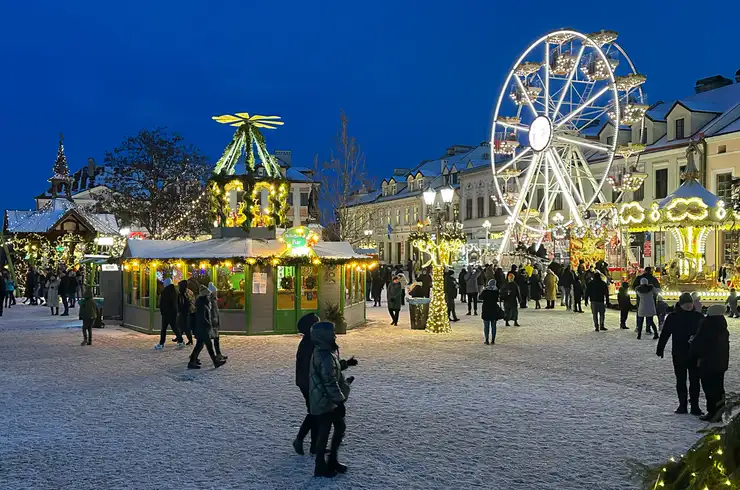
(226, 248)
(691, 188)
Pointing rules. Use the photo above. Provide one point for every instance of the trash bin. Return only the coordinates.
(419, 312)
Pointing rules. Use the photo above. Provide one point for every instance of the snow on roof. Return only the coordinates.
(691, 188)
(294, 175)
(46, 218)
(730, 128)
(658, 112)
(226, 248)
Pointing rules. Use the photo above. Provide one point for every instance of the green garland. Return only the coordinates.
(280, 206)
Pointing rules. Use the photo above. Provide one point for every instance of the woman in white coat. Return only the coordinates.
(52, 298)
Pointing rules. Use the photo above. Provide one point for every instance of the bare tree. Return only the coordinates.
(343, 178)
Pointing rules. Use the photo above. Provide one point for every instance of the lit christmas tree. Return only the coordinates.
(60, 165)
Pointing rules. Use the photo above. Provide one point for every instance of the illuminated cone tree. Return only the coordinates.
(246, 138)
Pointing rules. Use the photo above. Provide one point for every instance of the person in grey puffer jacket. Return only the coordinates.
(471, 287)
(646, 309)
(328, 391)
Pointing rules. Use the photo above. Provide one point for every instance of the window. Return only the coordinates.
(609, 140)
(659, 257)
(481, 206)
(398, 216)
(661, 183)
(491, 206)
(723, 186)
(230, 283)
(290, 198)
(682, 170)
(354, 285)
(388, 216)
(468, 208)
(304, 198)
(499, 209)
(407, 216)
(286, 287)
(558, 205)
(643, 135)
(454, 179)
(145, 289)
(639, 194)
(722, 149)
(416, 214)
(412, 185)
(679, 129)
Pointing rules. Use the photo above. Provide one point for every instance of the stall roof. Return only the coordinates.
(226, 248)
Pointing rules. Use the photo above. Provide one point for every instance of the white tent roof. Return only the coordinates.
(226, 248)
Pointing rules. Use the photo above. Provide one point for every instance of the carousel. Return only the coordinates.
(690, 215)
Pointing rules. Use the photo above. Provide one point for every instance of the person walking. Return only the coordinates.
(52, 295)
(64, 285)
(203, 330)
(577, 295)
(646, 294)
(378, 284)
(3, 291)
(522, 281)
(661, 308)
(551, 289)
(711, 350)
(215, 320)
(510, 296)
(732, 304)
(88, 313)
(404, 284)
(9, 290)
(498, 274)
(535, 288)
(302, 368)
(394, 300)
(566, 284)
(471, 287)
(30, 286)
(625, 305)
(598, 293)
(682, 324)
(462, 284)
(490, 311)
(451, 295)
(328, 393)
(72, 288)
(185, 311)
(168, 311)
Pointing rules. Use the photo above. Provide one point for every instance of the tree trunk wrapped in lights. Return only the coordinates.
(440, 249)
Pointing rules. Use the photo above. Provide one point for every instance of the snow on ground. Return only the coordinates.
(553, 405)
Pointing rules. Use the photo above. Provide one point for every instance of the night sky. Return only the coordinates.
(414, 77)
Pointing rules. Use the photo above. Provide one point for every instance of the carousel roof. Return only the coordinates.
(52, 213)
(226, 248)
(691, 188)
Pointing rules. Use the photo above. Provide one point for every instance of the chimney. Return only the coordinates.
(285, 155)
(711, 83)
(90, 168)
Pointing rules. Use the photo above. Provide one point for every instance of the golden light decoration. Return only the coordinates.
(631, 212)
(246, 137)
(692, 208)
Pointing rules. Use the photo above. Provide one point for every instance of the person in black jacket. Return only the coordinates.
(426, 283)
(683, 324)
(185, 310)
(625, 305)
(377, 287)
(490, 310)
(711, 349)
(598, 293)
(522, 280)
(535, 288)
(461, 283)
(203, 330)
(302, 368)
(577, 295)
(510, 296)
(451, 295)
(168, 310)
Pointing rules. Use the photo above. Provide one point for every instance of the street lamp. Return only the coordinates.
(429, 196)
(487, 226)
(368, 234)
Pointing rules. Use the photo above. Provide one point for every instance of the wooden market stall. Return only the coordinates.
(264, 286)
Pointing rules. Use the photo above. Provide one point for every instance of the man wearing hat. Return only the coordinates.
(682, 324)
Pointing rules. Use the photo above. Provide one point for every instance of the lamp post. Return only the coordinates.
(368, 234)
(440, 249)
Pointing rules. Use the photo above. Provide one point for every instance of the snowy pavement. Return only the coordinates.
(553, 405)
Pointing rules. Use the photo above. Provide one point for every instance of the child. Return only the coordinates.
(625, 305)
(732, 304)
(88, 315)
(661, 308)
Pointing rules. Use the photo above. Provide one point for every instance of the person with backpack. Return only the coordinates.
(185, 311)
(490, 311)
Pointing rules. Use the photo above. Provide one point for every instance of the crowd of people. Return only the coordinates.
(44, 287)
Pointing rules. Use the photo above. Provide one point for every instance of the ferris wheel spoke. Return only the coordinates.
(568, 83)
(518, 127)
(596, 185)
(578, 195)
(547, 77)
(518, 206)
(559, 176)
(513, 160)
(582, 107)
(526, 95)
(583, 142)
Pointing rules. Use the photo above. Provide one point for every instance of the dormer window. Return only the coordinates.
(680, 129)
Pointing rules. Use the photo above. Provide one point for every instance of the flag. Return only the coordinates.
(389, 231)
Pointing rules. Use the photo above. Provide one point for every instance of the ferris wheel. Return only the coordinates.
(561, 90)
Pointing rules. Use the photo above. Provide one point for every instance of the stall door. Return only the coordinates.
(308, 300)
(285, 299)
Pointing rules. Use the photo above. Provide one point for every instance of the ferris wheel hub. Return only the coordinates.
(540, 133)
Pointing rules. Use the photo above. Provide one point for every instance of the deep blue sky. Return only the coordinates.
(414, 77)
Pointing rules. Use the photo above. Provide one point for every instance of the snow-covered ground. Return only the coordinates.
(553, 405)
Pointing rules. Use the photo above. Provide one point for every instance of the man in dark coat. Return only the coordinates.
(471, 286)
(451, 295)
(711, 349)
(327, 393)
(203, 330)
(168, 310)
(598, 293)
(648, 274)
(426, 283)
(499, 277)
(30, 285)
(461, 283)
(683, 324)
(535, 288)
(490, 311)
(410, 269)
(302, 368)
(65, 289)
(378, 285)
(523, 282)
(185, 310)
(394, 294)
(510, 296)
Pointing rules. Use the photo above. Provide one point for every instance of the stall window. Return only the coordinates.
(309, 288)
(144, 287)
(230, 284)
(173, 272)
(354, 285)
(136, 285)
(286, 287)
